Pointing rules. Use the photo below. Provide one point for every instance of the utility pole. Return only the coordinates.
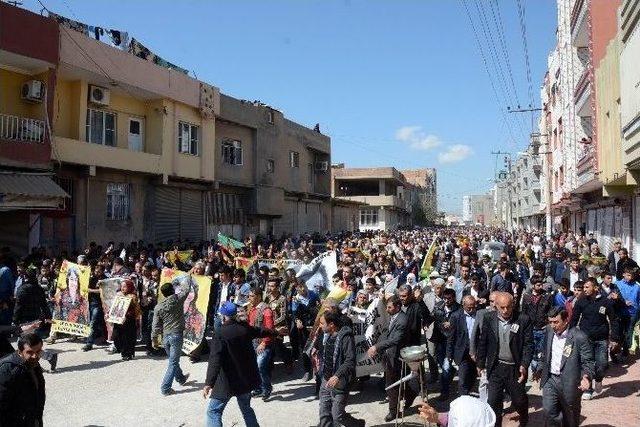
(497, 180)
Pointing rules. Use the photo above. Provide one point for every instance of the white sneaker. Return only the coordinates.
(587, 396)
(598, 387)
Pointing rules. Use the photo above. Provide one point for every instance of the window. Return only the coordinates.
(294, 159)
(310, 173)
(271, 165)
(369, 217)
(101, 127)
(232, 152)
(270, 116)
(118, 201)
(188, 138)
(135, 134)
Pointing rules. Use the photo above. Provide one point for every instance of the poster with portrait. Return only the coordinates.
(195, 306)
(108, 290)
(118, 309)
(71, 313)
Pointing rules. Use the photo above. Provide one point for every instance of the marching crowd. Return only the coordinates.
(497, 309)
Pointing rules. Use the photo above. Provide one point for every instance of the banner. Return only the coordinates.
(244, 263)
(183, 256)
(229, 242)
(281, 264)
(195, 306)
(71, 314)
(318, 273)
(108, 290)
(118, 310)
(367, 327)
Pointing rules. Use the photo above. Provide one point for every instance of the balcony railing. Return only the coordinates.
(22, 129)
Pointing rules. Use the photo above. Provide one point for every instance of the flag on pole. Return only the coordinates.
(426, 268)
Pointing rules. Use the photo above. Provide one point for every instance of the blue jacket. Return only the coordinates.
(630, 291)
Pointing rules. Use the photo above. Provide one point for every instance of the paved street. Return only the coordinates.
(97, 389)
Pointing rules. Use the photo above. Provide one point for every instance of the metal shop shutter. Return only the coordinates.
(167, 214)
(191, 215)
(285, 223)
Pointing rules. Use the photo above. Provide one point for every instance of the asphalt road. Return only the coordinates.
(98, 389)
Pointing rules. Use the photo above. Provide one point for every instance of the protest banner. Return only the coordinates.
(195, 306)
(71, 313)
(118, 309)
(281, 264)
(367, 327)
(182, 256)
(318, 273)
(108, 290)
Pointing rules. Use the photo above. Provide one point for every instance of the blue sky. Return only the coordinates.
(393, 82)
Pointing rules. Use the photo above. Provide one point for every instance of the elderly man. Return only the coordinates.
(505, 350)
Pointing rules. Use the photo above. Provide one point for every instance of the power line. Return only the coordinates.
(523, 30)
(486, 67)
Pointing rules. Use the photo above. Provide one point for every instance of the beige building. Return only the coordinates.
(387, 196)
(271, 174)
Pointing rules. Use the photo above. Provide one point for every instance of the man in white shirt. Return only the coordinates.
(566, 369)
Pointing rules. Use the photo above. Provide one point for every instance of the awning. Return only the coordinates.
(29, 191)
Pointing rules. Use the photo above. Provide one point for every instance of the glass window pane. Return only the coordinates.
(97, 126)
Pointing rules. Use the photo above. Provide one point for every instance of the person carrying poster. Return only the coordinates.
(71, 313)
(168, 322)
(124, 334)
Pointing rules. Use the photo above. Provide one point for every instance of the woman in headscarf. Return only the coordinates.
(124, 336)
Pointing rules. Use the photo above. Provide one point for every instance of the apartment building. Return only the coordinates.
(526, 189)
(387, 203)
(423, 188)
(478, 209)
(30, 200)
(271, 173)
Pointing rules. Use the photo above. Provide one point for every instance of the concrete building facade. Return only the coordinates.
(30, 200)
(478, 209)
(387, 197)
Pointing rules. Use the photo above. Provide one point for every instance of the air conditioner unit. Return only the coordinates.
(98, 95)
(33, 91)
(322, 166)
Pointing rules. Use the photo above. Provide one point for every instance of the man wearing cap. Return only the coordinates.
(233, 367)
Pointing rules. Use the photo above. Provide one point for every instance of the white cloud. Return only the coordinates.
(455, 153)
(417, 138)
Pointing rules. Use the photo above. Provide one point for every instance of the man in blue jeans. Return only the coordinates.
(168, 322)
(96, 313)
(233, 368)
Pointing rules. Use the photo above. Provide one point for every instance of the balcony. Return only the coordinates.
(386, 201)
(582, 95)
(21, 129)
(579, 30)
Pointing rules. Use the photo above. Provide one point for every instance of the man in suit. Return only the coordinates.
(442, 314)
(459, 344)
(575, 272)
(391, 340)
(613, 258)
(505, 350)
(566, 370)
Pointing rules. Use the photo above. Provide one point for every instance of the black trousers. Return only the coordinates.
(467, 375)
(124, 337)
(505, 378)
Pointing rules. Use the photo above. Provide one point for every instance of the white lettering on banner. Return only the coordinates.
(285, 264)
(367, 327)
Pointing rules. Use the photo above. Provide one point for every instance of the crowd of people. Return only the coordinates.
(495, 308)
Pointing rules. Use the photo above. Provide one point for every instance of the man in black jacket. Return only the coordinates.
(624, 262)
(337, 370)
(418, 315)
(459, 344)
(442, 313)
(391, 340)
(233, 369)
(536, 304)
(505, 350)
(595, 316)
(31, 306)
(22, 387)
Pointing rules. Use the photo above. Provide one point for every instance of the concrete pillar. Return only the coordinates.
(381, 187)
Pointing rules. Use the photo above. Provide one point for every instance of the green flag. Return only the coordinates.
(228, 242)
